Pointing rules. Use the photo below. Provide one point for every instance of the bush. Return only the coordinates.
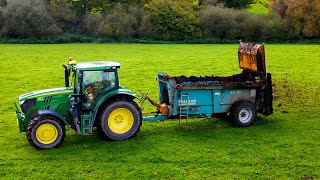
(273, 27)
(238, 4)
(173, 20)
(61, 11)
(246, 26)
(217, 22)
(208, 2)
(1, 19)
(145, 29)
(91, 23)
(28, 18)
(119, 22)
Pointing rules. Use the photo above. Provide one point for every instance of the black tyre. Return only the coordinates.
(243, 114)
(120, 120)
(45, 132)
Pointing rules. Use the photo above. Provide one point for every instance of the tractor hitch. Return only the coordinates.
(162, 108)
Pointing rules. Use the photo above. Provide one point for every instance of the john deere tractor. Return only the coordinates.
(92, 97)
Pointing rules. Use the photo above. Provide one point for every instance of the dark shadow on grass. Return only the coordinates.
(153, 133)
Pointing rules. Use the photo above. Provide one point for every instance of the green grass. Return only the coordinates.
(260, 7)
(285, 145)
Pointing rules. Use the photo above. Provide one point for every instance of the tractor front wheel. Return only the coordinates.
(120, 120)
(45, 132)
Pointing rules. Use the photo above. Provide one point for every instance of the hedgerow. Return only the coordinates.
(154, 20)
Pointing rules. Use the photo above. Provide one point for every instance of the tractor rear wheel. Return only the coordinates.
(45, 132)
(120, 120)
(243, 114)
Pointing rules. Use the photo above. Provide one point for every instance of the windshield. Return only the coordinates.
(95, 84)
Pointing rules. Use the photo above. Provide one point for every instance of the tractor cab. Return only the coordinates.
(90, 82)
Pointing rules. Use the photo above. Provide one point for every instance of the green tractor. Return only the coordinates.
(92, 97)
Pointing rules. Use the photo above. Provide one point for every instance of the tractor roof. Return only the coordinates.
(98, 65)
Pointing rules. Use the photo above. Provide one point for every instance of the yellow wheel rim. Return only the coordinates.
(46, 133)
(120, 120)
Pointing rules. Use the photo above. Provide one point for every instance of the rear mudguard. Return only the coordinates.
(113, 94)
(265, 97)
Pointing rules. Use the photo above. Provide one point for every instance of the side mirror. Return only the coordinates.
(64, 66)
(66, 75)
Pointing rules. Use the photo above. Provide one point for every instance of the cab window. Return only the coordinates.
(95, 83)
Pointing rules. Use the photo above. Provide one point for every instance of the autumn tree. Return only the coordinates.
(302, 17)
(118, 22)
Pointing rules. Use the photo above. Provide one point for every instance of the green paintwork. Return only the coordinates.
(112, 93)
(20, 118)
(95, 66)
(45, 92)
(56, 100)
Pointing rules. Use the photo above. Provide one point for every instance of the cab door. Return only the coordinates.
(95, 84)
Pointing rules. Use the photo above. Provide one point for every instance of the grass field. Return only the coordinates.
(285, 145)
(258, 9)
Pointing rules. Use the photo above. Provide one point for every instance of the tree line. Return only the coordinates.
(172, 20)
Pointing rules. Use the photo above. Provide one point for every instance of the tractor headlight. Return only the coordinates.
(27, 104)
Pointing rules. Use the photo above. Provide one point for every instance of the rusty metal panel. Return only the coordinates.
(252, 57)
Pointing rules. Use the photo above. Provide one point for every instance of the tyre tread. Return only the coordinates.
(99, 127)
(234, 113)
(34, 122)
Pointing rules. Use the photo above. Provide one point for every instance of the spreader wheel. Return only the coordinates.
(243, 114)
(120, 120)
(45, 132)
